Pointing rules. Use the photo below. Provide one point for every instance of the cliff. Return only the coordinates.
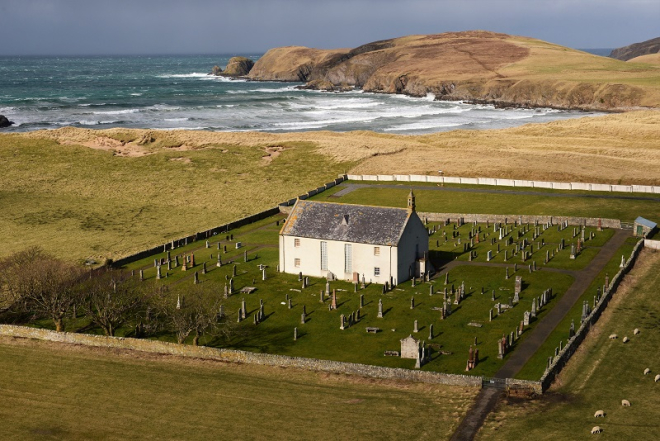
(475, 66)
(637, 50)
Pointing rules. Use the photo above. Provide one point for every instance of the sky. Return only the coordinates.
(123, 27)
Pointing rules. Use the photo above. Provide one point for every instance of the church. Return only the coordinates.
(354, 242)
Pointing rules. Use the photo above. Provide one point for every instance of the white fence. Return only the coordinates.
(510, 183)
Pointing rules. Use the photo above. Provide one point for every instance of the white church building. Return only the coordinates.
(381, 244)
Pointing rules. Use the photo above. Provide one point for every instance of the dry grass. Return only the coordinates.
(650, 59)
(58, 391)
(85, 193)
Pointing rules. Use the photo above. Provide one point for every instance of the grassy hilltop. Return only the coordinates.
(473, 65)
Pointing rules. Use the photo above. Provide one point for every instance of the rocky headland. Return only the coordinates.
(236, 67)
(637, 50)
(472, 66)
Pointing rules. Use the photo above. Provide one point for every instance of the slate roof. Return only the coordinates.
(645, 222)
(346, 223)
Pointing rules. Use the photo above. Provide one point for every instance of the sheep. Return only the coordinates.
(599, 414)
(636, 331)
(657, 378)
(647, 371)
(625, 339)
(625, 403)
(596, 429)
(613, 337)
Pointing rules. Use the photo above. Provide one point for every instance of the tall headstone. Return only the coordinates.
(380, 308)
(415, 328)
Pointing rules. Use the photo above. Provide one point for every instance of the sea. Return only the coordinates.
(176, 92)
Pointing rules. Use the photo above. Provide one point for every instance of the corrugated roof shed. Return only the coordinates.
(645, 222)
(346, 223)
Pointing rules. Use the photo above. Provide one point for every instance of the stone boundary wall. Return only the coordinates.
(510, 218)
(534, 386)
(510, 183)
(234, 356)
(222, 228)
(653, 244)
(573, 343)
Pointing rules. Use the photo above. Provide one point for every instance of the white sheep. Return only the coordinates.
(647, 371)
(625, 403)
(657, 378)
(596, 429)
(636, 331)
(625, 339)
(613, 336)
(599, 414)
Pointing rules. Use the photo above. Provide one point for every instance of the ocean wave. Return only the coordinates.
(136, 94)
(96, 122)
(116, 112)
(176, 119)
(421, 126)
(182, 128)
(188, 75)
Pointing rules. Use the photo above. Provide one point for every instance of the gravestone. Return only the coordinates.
(410, 348)
(518, 286)
(412, 303)
(380, 308)
(342, 325)
(334, 299)
(431, 331)
(415, 329)
(526, 317)
(295, 334)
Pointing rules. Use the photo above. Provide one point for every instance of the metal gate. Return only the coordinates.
(495, 383)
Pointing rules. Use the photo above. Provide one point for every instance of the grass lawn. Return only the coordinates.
(539, 202)
(536, 365)
(56, 391)
(600, 375)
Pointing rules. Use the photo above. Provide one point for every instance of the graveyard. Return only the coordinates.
(600, 375)
(472, 303)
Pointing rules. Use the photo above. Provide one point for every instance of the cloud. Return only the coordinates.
(205, 26)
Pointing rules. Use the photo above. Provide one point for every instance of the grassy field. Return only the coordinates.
(55, 391)
(96, 194)
(78, 202)
(431, 198)
(600, 375)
